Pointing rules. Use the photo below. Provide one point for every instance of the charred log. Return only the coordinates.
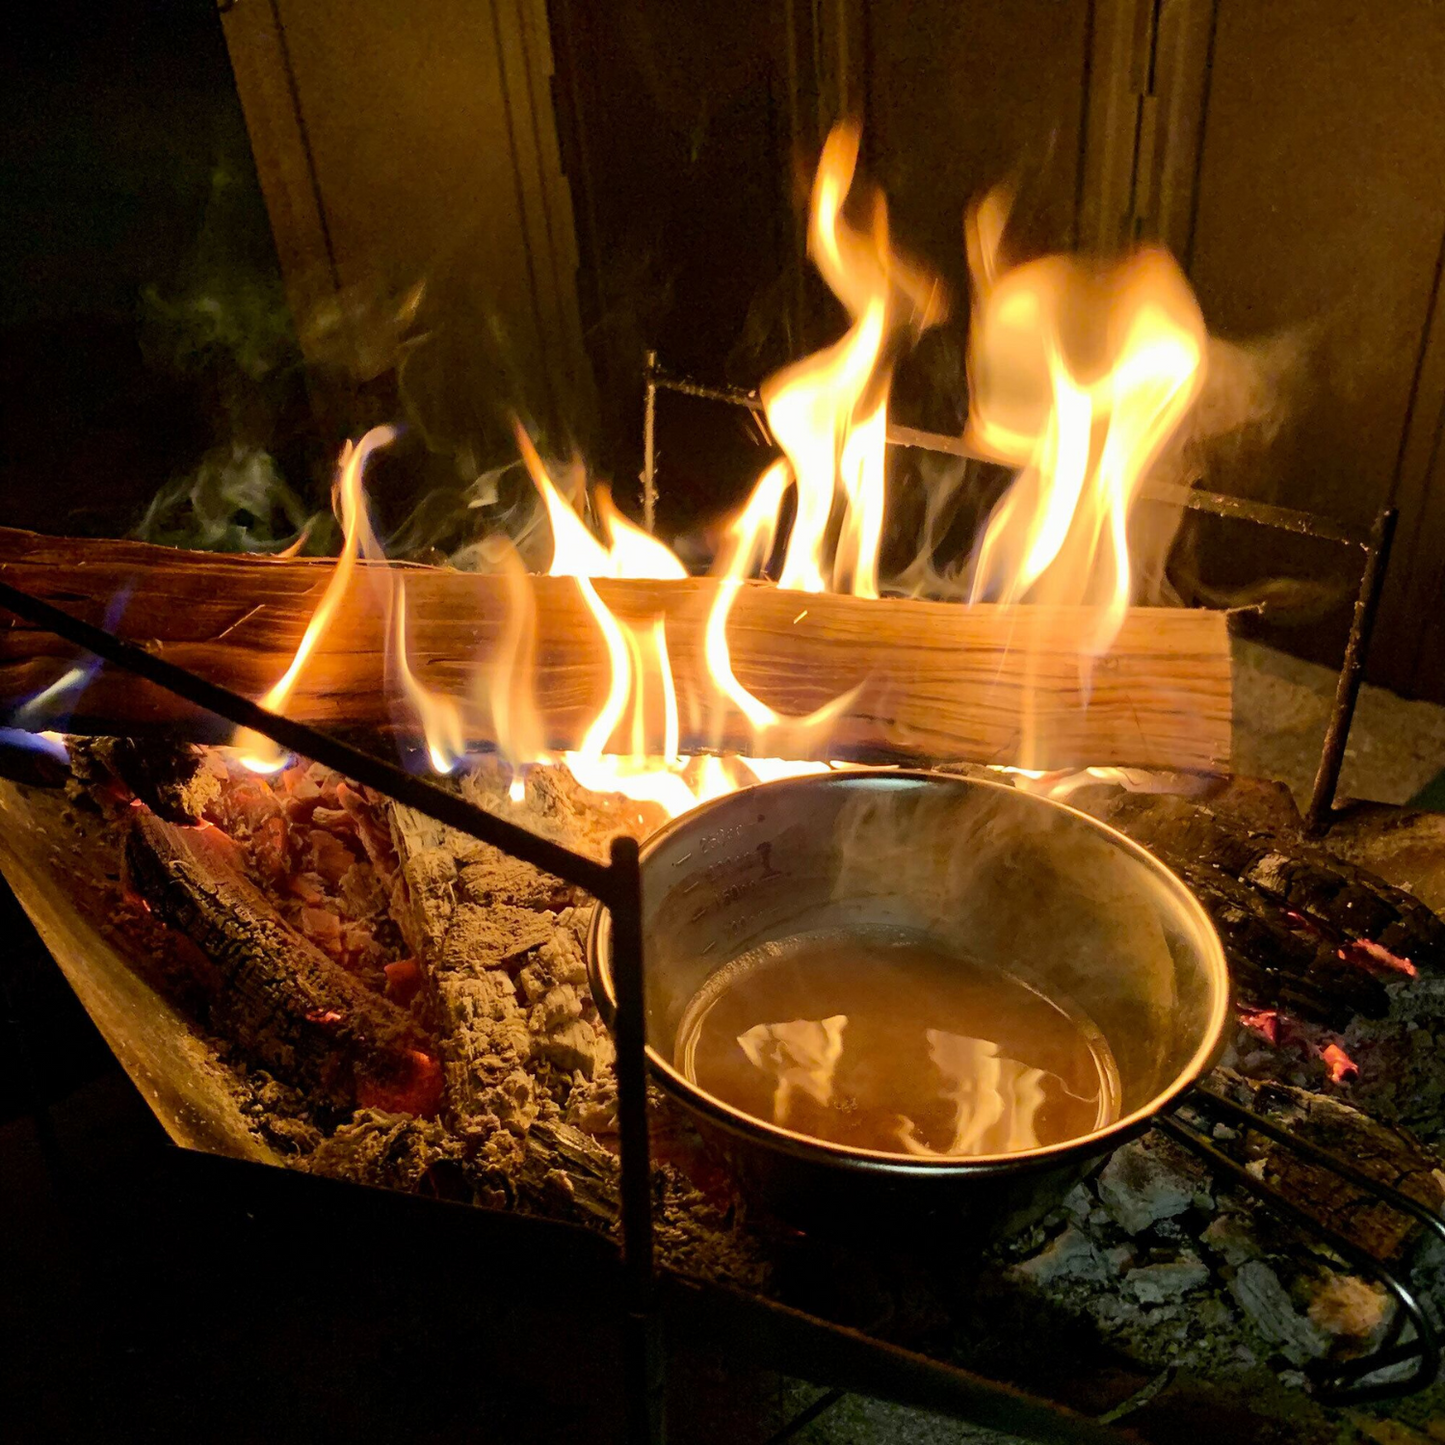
(1391, 1156)
(1374, 925)
(172, 777)
(269, 990)
(1275, 964)
(1304, 931)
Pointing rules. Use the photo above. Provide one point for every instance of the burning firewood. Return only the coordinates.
(935, 680)
(270, 991)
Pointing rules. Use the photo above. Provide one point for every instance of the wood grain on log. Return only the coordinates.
(934, 680)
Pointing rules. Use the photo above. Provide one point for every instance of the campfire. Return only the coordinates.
(308, 958)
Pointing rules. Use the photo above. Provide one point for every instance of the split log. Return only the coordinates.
(935, 681)
(271, 992)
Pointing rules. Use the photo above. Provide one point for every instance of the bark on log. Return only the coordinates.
(935, 680)
(273, 993)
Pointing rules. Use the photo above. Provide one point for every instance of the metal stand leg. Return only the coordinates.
(1332, 756)
(649, 443)
(644, 1361)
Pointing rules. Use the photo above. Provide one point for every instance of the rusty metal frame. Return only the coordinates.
(1374, 544)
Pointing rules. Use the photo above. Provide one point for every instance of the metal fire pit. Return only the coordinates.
(714, 1317)
(1008, 880)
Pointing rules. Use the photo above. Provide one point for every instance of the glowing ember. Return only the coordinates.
(1264, 1022)
(1341, 1066)
(1367, 953)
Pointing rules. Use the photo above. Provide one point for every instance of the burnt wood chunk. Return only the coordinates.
(1377, 925)
(269, 990)
(171, 777)
(1274, 963)
(1391, 1156)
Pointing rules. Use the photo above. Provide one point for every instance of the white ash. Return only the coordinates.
(1150, 1180)
(1175, 1278)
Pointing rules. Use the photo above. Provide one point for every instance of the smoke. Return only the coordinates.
(235, 501)
(1031, 890)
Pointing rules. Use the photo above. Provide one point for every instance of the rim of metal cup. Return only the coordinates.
(1098, 1141)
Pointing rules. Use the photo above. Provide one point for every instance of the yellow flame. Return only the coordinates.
(613, 755)
(516, 723)
(258, 753)
(632, 552)
(829, 411)
(750, 541)
(1079, 375)
(440, 716)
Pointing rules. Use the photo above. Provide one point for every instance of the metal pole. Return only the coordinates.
(643, 1358)
(1332, 755)
(649, 442)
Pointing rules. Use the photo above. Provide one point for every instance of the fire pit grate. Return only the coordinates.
(737, 1320)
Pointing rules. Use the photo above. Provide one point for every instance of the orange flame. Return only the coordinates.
(440, 717)
(349, 498)
(516, 723)
(829, 411)
(1079, 375)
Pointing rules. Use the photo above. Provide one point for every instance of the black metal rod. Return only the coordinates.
(747, 1327)
(1336, 1387)
(805, 1417)
(898, 436)
(629, 1030)
(1347, 692)
(649, 442)
(1395, 1198)
(449, 808)
(1284, 519)
(685, 386)
(1264, 514)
